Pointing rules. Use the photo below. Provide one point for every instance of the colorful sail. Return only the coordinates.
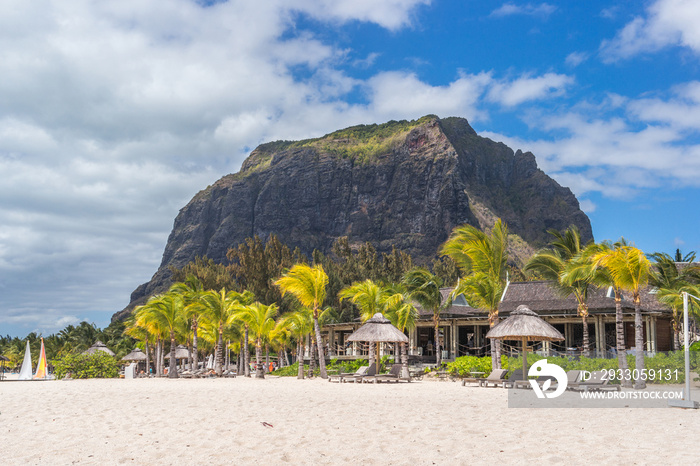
(42, 366)
(25, 373)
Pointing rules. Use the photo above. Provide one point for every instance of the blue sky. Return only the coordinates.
(114, 114)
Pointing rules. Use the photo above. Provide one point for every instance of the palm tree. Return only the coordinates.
(299, 323)
(166, 311)
(424, 288)
(308, 285)
(671, 280)
(483, 262)
(551, 263)
(191, 290)
(630, 270)
(220, 307)
(369, 298)
(402, 313)
(260, 319)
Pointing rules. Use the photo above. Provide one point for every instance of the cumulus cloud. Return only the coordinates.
(543, 10)
(666, 23)
(527, 88)
(620, 146)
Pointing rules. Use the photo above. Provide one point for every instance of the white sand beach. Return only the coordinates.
(220, 421)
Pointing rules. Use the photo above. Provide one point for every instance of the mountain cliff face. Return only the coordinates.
(402, 184)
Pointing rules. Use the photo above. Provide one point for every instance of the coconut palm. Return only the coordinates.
(308, 285)
(551, 263)
(402, 313)
(424, 288)
(166, 311)
(145, 318)
(219, 308)
(299, 323)
(191, 290)
(369, 298)
(630, 270)
(483, 261)
(260, 320)
(671, 279)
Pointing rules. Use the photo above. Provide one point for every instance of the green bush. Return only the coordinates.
(90, 366)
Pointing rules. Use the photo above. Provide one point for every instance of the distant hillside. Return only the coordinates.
(403, 184)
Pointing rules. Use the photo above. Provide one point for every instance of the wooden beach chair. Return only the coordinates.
(597, 382)
(496, 378)
(339, 377)
(394, 375)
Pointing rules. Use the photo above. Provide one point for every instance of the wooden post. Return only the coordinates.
(524, 359)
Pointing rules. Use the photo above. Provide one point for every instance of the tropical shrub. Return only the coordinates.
(90, 366)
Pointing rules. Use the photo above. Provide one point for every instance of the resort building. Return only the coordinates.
(463, 328)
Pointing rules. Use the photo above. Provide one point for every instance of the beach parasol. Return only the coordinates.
(3, 359)
(181, 352)
(377, 330)
(524, 324)
(98, 346)
(136, 355)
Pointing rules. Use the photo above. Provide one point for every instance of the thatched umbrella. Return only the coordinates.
(378, 330)
(136, 355)
(98, 346)
(524, 324)
(181, 352)
(3, 359)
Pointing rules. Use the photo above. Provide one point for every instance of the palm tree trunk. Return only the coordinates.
(586, 337)
(172, 369)
(436, 322)
(286, 358)
(218, 363)
(267, 357)
(676, 330)
(246, 362)
(148, 359)
(620, 341)
(404, 360)
(195, 354)
(495, 344)
(300, 359)
(639, 383)
(319, 345)
(259, 372)
(312, 358)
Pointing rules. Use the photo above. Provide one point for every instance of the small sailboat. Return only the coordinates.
(25, 373)
(42, 371)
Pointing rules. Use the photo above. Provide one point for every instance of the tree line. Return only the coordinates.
(274, 298)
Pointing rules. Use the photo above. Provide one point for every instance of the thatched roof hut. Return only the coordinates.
(524, 324)
(182, 352)
(378, 329)
(98, 346)
(135, 355)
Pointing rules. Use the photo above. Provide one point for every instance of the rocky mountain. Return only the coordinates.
(403, 184)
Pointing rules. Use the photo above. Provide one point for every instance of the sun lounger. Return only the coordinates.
(597, 382)
(339, 377)
(495, 378)
(394, 375)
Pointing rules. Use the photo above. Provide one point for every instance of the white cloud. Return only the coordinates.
(405, 96)
(576, 58)
(527, 88)
(587, 206)
(543, 10)
(667, 23)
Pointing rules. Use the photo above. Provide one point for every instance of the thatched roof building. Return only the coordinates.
(98, 346)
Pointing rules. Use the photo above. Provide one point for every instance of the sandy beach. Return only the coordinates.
(220, 421)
